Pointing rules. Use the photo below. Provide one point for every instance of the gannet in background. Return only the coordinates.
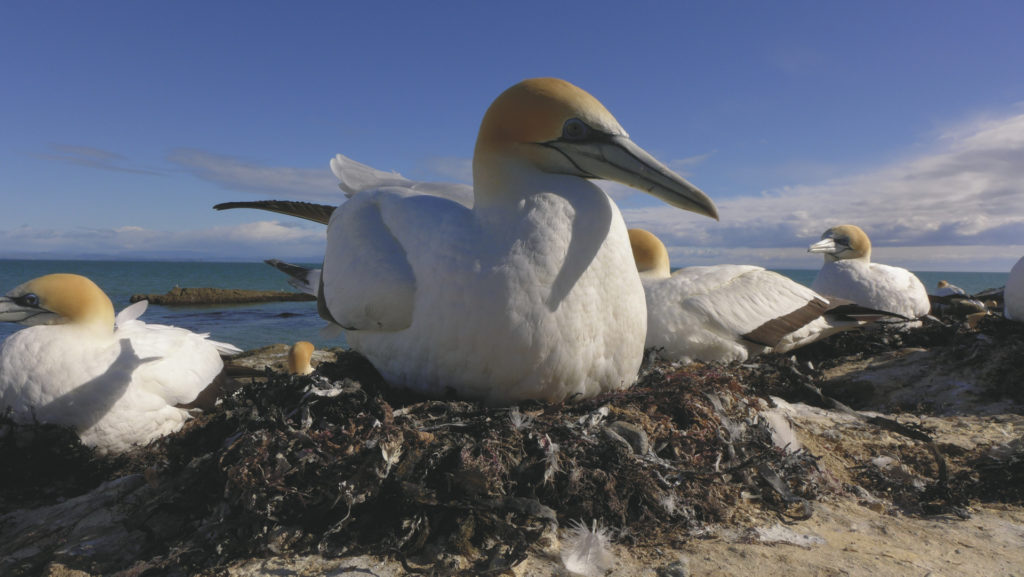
(848, 273)
(1013, 294)
(531, 293)
(944, 289)
(953, 300)
(298, 358)
(726, 312)
(117, 381)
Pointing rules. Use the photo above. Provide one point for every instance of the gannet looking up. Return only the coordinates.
(1013, 294)
(531, 293)
(298, 358)
(118, 382)
(726, 312)
(848, 273)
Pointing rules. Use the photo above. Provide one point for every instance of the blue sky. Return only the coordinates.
(124, 122)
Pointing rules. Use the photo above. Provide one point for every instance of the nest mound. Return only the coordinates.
(337, 464)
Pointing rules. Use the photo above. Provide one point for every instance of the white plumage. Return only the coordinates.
(117, 386)
(725, 312)
(848, 273)
(532, 292)
(1013, 294)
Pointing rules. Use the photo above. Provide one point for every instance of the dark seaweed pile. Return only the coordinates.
(338, 464)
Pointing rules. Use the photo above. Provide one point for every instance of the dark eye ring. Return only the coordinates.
(575, 129)
(30, 300)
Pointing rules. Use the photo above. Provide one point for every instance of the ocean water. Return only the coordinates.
(255, 325)
(246, 326)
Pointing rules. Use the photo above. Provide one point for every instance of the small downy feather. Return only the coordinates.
(586, 550)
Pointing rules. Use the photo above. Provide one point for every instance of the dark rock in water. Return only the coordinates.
(217, 296)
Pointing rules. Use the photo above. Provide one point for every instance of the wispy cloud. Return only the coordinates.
(93, 157)
(967, 194)
(316, 185)
(248, 241)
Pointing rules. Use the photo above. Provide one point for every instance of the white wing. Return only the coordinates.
(728, 312)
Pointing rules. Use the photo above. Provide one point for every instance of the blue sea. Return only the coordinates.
(255, 325)
(246, 326)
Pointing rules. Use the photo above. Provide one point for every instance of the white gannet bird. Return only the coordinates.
(727, 312)
(848, 273)
(118, 381)
(531, 293)
(298, 358)
(1013, 294)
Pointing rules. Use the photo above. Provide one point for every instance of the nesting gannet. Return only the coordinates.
(531, 293)
(848, 273)
(298, 358)
(949, 299)
(117, 381)
(726, 312)
(1013, 294)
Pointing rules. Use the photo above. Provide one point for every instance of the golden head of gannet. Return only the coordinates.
(650, 254)
(298, 358)
(117, 381)
(843, 242)
(59, 299)
(556, 127)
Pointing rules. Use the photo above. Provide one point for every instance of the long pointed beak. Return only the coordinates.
(825, 245)
(12, 312)
(618, 158)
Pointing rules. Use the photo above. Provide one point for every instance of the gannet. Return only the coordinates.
(531, 293)
(1013, 294)
(298, 358)
(118, 381)
(953, 300)
(726, 312)
(944, 289)
(848, 273)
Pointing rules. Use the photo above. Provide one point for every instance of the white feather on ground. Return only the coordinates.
(587, 550)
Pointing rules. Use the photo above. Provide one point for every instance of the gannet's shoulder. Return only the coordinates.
(379, 238)
(1013, 294)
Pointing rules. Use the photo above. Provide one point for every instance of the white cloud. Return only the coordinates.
(967, 198)
(283, 182)
(248, 241)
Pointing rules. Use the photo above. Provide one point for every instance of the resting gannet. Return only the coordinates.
(726, 312)
(298, 358)
(1013, 294)
(117, 381)
(848, 273)
(531, 293)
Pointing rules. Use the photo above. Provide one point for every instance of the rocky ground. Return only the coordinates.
(883, 452)
(215, 296)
